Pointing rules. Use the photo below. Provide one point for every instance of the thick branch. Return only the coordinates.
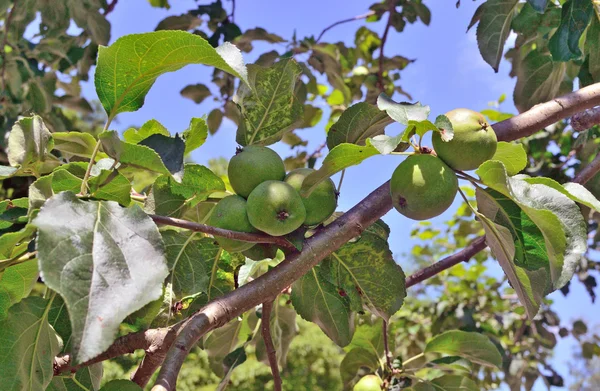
(269, 347)
(225, 233)
(353, 19)
(546, 114)
(586, 119)
(351, 224)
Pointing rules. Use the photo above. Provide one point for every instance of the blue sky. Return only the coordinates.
(448, 73)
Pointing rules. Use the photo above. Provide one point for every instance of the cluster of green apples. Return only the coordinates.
(268, 200)
(425, 184)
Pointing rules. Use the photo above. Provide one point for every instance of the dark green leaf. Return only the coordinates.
(16, 282)
(88, 377)
(493, 29)
(215, 117)
(267, 104)
(170, 149)
(196, 92)
(100, 287)
(357, 124)
(183, 22)
(538, 5)
(538, 80)
(564, 44)
(121, 385)
(592, 48)
(473, 346)
(29, 146)
(128, 68)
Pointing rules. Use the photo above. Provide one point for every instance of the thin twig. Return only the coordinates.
(339, 186)
(225, 233)
(7, 23)
(269, 347)
(232, 14)
(316, 154)
(386, 346)
(392, 11)
(353, 19)
(110, 7)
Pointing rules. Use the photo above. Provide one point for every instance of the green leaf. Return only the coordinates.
(564, 44)
(128, 68)
(557, 217)
(88, 377)
(493, 29)
(195, 135)
(454, 383)
(592, 48)
(121, 385)
(16, 282)
(403, 112)
(100, 287)
(196, 92)
(317, 300)
(386, 144)
(230, 362)
(283, 331)
(171, 198)
(574, 191)
(134, 136)
(267, 104)
(29, 146)
(512, 155)
(214, 120)
(366, 271)
(369, 337)
(87, 16)
(356, 124)
(13, 244)
(27, 346)
(538, 80)
(354, 360)
(444, 126)
(519, 247)
(74, 143)
(225, 340)
(58, 317)
(183, 22)
(339, 158)
(473, 346)
(538, 5)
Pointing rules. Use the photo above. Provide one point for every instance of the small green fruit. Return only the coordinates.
(368, 383)
(230, 213)
(321, 203)
(276, 208)
(474, 141)
(253, 166)
(423, 187)
(261, 251)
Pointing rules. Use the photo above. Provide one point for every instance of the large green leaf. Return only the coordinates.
(339, 158)
(317, 300)
(29, 146)
(557, 217)
(366, 271)
(519, 247)
(27, 346)
(512, 155)
(105, 261)
(128, 68)
(16, 282)
(564, 44)
(493, 29)
(356, 124)
(267, 104)
(473, 346)
(538, 80)
(574, 191)
(74, 143)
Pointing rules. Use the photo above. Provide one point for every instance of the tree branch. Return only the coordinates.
(353, 19)
(266, 334)
(546, 114)
(586, 119)
(110, 7)
(225, 233)
(392, 11)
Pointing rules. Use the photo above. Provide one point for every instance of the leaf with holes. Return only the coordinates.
(128, 68)
(105, 261)
(267, 104)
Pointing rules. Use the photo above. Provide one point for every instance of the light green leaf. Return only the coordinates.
(513, 156)
(121, 385)
(27, 346)
(574, 191)
(454, 383)
(16, 282)
(564, 43)
(134, 136)
(473, 346)
(386, 144)
(29, 146)
(100, 287)
(267, 104)
(354, 360)
(403, 112)
(128, 68)
(518, 245)
(75, 143)
(557, 217)
(339, 158)
(318, 301)
(356, 124)
(592, 48)
(366, 271)
(195, 135)
(493, 29)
